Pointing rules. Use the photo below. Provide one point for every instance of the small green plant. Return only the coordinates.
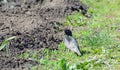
(76, 20)
(96, 38)
(61, 64)
(5, 44)
(25, 55)
(62, 46)
(35, 68)
(35, 55)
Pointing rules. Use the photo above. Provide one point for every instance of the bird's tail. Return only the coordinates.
(79, 53)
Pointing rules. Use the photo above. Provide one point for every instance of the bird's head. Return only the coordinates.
(68, 32)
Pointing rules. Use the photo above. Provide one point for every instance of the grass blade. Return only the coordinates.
(6, 42)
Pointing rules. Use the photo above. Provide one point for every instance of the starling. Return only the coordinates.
(71, 43)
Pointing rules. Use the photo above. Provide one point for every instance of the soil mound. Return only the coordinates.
(36, 23)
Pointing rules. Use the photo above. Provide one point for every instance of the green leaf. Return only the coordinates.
(11, 38)
(63, 64)
(6, 42)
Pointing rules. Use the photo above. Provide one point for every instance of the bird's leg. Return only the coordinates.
(68, 50)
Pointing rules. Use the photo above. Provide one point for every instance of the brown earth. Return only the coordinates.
(36, 23)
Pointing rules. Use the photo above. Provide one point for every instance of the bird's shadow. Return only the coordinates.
(85, 52)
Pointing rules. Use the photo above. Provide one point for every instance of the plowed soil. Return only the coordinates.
(36, 23)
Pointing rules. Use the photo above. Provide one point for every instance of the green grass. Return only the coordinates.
(5, 45)
(98, 37)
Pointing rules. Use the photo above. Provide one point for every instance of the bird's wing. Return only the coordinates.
(66, 42)
(74, 44)
(74, 41)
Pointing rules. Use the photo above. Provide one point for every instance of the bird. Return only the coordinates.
(70, 42)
